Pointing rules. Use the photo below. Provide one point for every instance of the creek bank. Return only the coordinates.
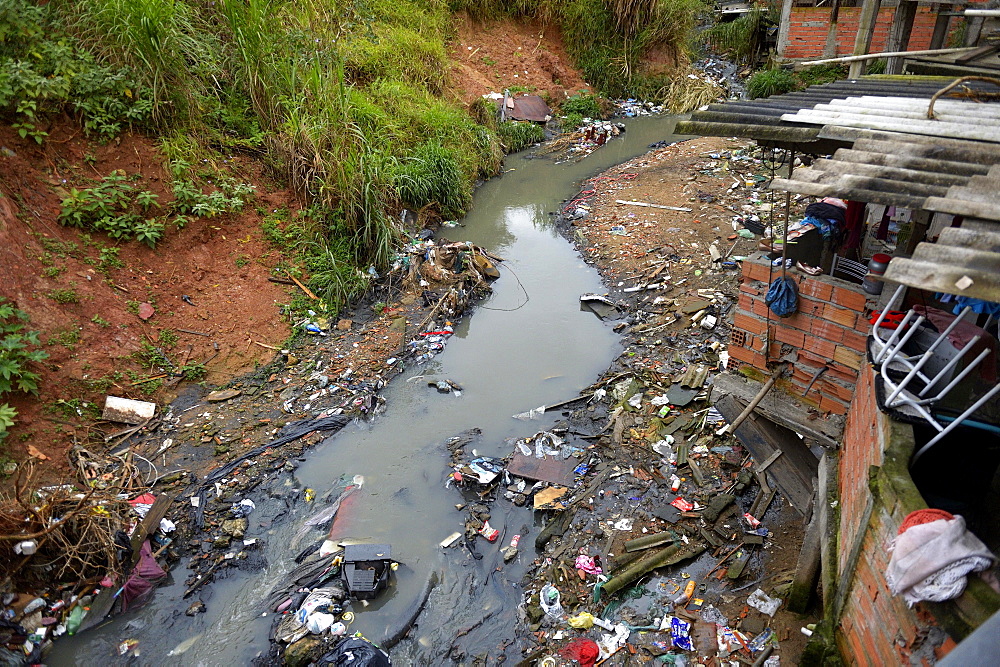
(673, 548)
(194, 465)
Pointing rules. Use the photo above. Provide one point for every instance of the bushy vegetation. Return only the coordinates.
(518, 136)
(343, 98)
(16, 355)
(767, 82)
(41, 72)
(740, 38)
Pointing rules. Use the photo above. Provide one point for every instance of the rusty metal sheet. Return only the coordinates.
(530, 107)
(551, 469)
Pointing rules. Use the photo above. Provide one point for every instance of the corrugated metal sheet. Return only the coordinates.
(886, 151)
(529, 107)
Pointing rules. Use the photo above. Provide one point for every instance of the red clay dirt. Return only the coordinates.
(222, 263)
(489, 57)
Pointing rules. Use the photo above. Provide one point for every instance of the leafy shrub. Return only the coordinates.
(571, 122)
(584, 104)
(107, 207)
(516, 136)
(15, 355)
(229, 198)
(767, 82)
(42, 73)
(741, 38)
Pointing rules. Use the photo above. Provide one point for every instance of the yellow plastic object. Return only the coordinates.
(582, 621)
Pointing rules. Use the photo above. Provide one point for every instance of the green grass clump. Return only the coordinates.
(431, 175)
(518, 136)
(820, 74)
(740, 39)
(584, 104)
(767, 82)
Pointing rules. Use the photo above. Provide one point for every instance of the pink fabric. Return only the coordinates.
(961, 335)
(143, 579)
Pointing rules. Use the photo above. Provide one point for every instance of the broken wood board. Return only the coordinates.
(550, 469)
(794, 471)
(781, 408)
(549, 499)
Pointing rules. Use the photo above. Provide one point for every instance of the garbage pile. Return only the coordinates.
(582, 141)
(664, 548)
(72, 556)
(678, 534)
(312, 605)
(631, 108)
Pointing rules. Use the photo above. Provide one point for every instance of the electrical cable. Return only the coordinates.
(520, 284)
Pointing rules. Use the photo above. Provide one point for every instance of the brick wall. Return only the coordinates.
(829, 331)
(808, 29)
(875, 627)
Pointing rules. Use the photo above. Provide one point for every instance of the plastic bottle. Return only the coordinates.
(75, 619)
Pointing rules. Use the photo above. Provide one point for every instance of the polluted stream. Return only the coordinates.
(528, 344)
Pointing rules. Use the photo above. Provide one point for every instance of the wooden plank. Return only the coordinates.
(807, 566)
(105, 600)
(783, 409)
(149, 523)
(794, 472)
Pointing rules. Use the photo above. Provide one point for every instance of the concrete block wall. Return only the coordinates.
(808, 27)
(829, 331)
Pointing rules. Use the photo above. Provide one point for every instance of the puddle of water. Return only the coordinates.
(529, 344)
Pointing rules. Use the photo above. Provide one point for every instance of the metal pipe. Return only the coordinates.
(958, 420)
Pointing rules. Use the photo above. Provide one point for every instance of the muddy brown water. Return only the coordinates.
(529, 344)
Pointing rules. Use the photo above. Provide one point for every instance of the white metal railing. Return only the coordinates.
(889, 357)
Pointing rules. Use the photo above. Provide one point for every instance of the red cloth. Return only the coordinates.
(854, 224)
(923, 516)
(584, 651)
(140, 585)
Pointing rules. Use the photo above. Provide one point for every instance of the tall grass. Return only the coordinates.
(168, 44)
(740, 38)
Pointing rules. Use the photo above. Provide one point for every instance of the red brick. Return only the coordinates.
(816, 288)
(842, 372)
(849, 299)
(793, 337)
(855, 341)
(811, 307)
(748, 356)
(745, 302)
(840, 316)
(749, 323)
(827, 331)
(822, 348)
(755, 271)
(835, 389)
(847, 357)
(752, 291)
